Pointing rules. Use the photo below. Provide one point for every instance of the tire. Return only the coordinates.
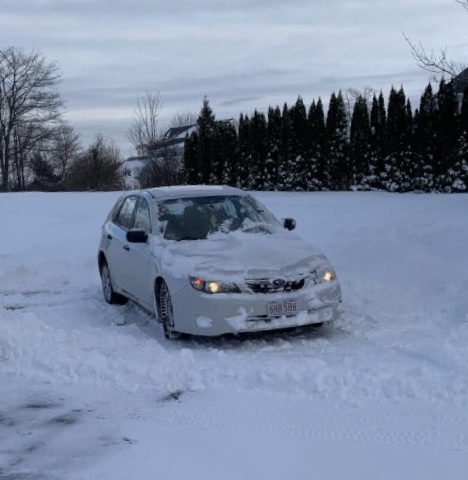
(165, 312)
(108, 290)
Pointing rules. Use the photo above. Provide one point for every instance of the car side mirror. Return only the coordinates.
(289, 223)
(137, 236)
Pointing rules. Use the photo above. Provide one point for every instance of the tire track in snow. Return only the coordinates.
(311, 418)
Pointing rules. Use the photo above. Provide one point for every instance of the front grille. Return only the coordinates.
(266, 286)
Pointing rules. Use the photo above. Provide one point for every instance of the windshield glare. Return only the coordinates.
(196, 217)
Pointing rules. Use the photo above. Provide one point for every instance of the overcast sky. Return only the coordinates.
(242, 54)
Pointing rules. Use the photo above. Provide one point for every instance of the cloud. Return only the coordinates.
(242, 55)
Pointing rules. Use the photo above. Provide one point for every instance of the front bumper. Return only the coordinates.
(205, 314)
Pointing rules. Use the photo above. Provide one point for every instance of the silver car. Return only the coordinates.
(212, 260)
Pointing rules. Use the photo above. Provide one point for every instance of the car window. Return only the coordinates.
(196, 217)
(124, 218)
(116, 209)
(142, 216)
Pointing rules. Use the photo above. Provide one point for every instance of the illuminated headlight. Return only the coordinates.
(325, 273)
(212, 286)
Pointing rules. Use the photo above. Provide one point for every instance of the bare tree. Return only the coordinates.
(42, 154)
(28, 102)
(183, 119)
(162, 169)
(143, 132)
(97, 168)
(42, 172)
(436, 62)
(352, 94)
(30, 139)
(65, 148)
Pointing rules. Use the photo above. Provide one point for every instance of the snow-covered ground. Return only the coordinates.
(90, 391)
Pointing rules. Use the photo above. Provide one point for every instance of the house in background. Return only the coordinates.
(170, 148)
(168, 153)
(174, 138)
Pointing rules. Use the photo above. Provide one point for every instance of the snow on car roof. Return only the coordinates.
(193, 190)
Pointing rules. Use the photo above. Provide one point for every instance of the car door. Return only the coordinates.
(117, 249)
(139, 265)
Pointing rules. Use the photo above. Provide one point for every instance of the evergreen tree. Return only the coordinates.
(298, 151)
(244, 152)
(285, 179)
(340, 172)
(191, 167)
(227, 153)
(44, 177)
(274, 131)
(397, 143)
(407, 165)
(206, 143)
(424, 142)
(459, 173)
(300, 147)
(447, 140)
(360, 143)
(318, 167)
(258, 150)
(378, 125)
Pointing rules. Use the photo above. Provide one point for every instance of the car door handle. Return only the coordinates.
(109, 236)
(126, 247)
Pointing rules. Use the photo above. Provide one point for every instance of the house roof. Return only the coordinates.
(174, 137)
(178, 132)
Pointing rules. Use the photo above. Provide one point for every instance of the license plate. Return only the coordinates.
(287, 307)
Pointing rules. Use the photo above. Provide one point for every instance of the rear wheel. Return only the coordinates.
(165, 312)
(107, 289)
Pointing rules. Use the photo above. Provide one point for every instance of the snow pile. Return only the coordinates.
(81, 357)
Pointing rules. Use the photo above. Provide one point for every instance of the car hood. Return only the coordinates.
(240, 256)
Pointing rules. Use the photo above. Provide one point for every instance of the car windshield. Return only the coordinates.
(196, 217)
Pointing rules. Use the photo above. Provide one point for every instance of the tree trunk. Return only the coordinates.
(5, 179)
(5, 161)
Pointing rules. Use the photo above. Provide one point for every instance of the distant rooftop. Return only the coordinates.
(176, 132)
(175, 137)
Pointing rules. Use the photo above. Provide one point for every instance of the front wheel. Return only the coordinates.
(165, 311)
(108, 290)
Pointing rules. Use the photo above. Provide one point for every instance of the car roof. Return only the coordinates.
(186, 191)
